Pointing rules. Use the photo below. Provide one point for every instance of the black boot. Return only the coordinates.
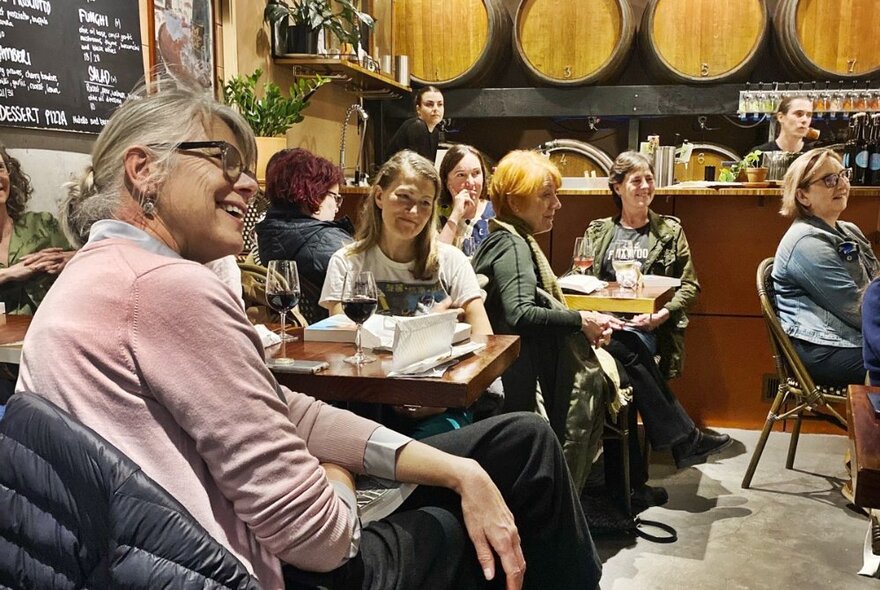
(698, 447)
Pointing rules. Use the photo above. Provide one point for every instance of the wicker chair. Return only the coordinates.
(796, 386)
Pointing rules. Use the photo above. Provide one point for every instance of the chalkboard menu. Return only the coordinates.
(67, 64)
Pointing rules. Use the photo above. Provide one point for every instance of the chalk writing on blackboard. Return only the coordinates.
(67, 64)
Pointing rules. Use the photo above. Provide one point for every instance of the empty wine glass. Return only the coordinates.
(626, 268)
(582, 259)
(359, 302)
(282, 292)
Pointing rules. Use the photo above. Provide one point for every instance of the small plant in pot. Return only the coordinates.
(745, 170)
(296, 24)
(271, 115)
(754, 172)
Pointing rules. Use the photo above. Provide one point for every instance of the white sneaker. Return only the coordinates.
(377, 497)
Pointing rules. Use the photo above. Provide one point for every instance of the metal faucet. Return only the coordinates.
(364, 117)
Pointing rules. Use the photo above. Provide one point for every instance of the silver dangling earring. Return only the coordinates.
(149, 207)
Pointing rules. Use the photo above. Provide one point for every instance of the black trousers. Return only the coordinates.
(666, 422)
(424, 545)
(831, 365)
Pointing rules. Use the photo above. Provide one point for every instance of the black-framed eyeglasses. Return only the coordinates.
(230, 158)
(339, 198)
(832, 179)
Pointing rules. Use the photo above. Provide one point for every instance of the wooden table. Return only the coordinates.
(616, 300)
(12, 331)
(459, 387)
(864, 435)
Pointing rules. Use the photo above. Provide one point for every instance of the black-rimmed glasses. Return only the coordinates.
(230, 158)
(339, 198)
(832, 179)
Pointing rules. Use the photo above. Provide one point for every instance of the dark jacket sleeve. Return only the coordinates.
(871, 330)
(507, 261)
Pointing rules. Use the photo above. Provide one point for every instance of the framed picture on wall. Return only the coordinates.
(183, 39)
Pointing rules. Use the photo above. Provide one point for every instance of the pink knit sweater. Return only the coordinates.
(157, 356)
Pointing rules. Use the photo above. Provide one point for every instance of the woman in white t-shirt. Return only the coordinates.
(396, 239)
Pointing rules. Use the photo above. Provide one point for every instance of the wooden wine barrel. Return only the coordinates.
(451, 43)
(570, 43)
(577, 158)
(705, 154)
(819, 39)
(703, 41)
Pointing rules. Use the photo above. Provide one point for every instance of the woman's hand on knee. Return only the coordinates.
(491, 527)
(598, 327)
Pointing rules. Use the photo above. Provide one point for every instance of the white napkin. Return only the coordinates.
(267, 336)
(422, 337)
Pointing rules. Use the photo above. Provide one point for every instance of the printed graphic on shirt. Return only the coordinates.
(396, 298)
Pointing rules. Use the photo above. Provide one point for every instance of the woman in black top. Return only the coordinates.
(420, 133)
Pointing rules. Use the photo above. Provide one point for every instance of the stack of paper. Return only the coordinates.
(581, 283)
(660, 281)
(378, 331)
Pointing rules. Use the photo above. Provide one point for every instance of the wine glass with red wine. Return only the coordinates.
(582, 260)
(359, 302)
(282, 290)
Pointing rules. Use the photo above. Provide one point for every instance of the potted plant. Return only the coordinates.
(272, 115)
(754, 172)
(746, 169)
(295, 24)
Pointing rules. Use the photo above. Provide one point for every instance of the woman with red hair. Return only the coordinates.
(300, 225)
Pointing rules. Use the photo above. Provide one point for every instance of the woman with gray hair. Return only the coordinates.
(821, 268)
(162, 362)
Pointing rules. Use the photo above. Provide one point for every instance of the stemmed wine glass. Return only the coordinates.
(282, 292)
(359, 302)
(582, 259)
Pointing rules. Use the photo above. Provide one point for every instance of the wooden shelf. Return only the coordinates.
(358, 79)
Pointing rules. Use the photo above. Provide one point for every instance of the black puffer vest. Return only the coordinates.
(77, 513)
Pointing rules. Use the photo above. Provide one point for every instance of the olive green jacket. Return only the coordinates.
(31, 233)
(556, 361)
(668, 255)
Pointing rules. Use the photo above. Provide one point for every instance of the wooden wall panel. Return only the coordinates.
(726, 360)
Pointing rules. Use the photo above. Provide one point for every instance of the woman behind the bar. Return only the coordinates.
(793, 115)
(421, 133)
(182, 388)
(465, 208)
(821, 267)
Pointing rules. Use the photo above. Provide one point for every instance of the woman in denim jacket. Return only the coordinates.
(821, 268)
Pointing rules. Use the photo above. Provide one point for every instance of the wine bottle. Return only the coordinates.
(860, 166)
(849, 148)
(874, 149)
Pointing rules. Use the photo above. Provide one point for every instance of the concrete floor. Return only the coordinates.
(792, 529)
